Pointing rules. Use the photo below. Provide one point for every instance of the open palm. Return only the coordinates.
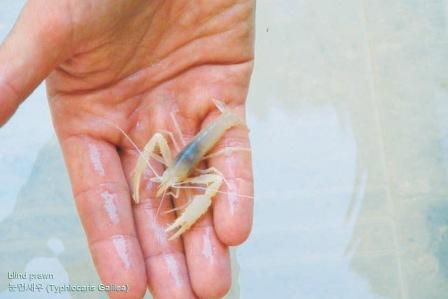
(141, 66)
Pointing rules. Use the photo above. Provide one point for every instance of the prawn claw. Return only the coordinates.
(199, 205)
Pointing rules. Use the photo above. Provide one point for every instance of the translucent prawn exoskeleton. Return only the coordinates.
(177, 174)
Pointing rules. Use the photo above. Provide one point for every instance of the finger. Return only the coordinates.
(166, 267)
(32, 49)
(104, 206)
(207, 257)
(233, 207)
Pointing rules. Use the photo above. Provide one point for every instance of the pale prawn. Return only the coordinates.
(178, 170)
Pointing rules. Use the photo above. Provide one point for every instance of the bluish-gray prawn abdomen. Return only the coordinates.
(190, 155)
(206, 139)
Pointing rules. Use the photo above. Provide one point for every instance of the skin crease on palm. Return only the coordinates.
(134, 64)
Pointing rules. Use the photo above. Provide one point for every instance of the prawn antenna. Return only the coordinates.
(220, 105)
(140, 153)
(160, 204)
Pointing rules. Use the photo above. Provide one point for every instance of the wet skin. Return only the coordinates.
(133, 63)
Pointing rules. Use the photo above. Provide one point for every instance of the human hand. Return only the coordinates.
(135, 64)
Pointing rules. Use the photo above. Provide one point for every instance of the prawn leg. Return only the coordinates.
(227, 151)
(176, 125)
(199, 203)
(213, 170)
(171, 135)
(156, 142)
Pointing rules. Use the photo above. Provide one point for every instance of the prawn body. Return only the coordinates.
(179, 169)
(194, 152)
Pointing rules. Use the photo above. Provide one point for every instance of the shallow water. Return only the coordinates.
(348, 114)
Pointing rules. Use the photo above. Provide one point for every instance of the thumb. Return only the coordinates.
(33, 48)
